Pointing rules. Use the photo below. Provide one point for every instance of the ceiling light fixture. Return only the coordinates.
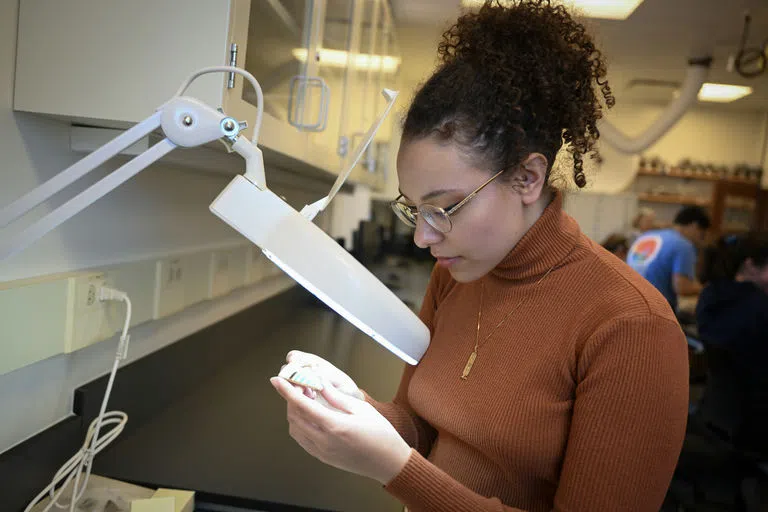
(723, 93)
(605, 9)
(340, 59)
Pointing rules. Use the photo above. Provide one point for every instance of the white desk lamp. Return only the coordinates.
(286, 236)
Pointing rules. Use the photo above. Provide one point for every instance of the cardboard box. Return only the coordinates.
(185, 500)
(154, 505)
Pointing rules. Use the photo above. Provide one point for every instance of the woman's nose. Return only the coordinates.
(425, 235)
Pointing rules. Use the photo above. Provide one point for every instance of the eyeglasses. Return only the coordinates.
(435, 216)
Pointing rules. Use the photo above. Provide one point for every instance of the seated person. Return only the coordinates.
(618, 245)
(667, 257)
(732, 312)
(731, 419)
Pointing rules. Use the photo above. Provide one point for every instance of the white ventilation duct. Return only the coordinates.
(698, 69)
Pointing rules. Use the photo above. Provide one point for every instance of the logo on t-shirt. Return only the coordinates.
(644, 250)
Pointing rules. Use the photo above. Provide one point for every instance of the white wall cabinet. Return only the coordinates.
(112, 64)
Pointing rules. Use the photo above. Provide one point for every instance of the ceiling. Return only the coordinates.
(654, 43)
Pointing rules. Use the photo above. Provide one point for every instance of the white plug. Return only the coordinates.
(106, 293)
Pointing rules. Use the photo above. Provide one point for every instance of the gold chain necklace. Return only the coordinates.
(473, 355)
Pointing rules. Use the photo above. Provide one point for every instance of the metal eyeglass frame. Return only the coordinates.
(407, 214)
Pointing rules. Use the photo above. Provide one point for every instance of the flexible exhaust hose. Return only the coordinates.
(698, 69)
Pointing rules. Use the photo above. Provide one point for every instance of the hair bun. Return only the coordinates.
(516, 78)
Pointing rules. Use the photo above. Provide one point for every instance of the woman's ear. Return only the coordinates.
(530, 178)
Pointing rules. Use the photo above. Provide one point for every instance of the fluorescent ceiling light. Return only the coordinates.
(340, 58)
(723, 93)
(606, 9)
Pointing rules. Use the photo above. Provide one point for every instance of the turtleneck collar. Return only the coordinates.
(547, 243)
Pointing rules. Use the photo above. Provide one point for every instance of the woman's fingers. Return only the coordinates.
(342, 401)
(297, 420)
(305, 358)
(309, 409)
(325, 370)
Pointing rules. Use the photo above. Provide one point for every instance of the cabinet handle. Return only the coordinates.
(299, 86)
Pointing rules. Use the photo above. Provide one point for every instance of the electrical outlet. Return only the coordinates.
(170, 278)
(228, 271)
(87, 316)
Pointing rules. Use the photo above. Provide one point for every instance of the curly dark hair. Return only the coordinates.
(516, 78)
(725, 259)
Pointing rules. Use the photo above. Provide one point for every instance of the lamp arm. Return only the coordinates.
(698, 69)
(76, 171)
(185, 121)
(84, 199)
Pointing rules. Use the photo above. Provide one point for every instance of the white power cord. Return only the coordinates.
(82, 461)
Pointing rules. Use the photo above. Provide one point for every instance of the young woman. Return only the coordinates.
(556, 377)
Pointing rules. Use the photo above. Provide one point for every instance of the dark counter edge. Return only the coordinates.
(145, 387)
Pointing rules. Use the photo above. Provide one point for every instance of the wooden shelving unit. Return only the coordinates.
(734, 229)
(675, 199)
(727, 194)
(675, 172)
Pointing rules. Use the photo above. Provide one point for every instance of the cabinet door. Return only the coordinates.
(387, 76)
(380, 71)
(339, 37)
(278, 49)
(372, 32)
(359, 96)
(276, 41)
(736, 208)
(351, 88)
(113, 63)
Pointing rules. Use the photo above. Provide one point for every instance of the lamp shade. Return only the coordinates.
(317, 262)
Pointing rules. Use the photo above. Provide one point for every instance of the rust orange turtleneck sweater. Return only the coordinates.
(577, 402)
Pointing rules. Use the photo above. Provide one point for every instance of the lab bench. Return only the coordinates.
(203, 416)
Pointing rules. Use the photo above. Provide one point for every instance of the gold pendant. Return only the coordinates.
(468, 366)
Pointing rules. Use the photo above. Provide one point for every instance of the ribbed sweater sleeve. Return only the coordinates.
(413, 429)
(416, 432)
(625, 435)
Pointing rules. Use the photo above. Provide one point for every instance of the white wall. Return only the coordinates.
(713, 134)
(164, 210)
(706, 134)
(709, 132)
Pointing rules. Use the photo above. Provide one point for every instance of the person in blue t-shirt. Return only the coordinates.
(667, 257)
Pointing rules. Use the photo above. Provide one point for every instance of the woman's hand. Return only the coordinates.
(353, 437)
(327, 372)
